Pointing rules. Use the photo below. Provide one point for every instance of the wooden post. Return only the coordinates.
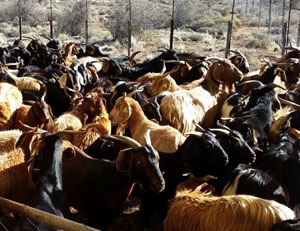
(20, 20)
(270, 16)
(172, 25)
(259, 16)
(284, 37)
(229, 31)
(86, 23)
(129, 27)
(298, 37)
(283, 12)
(51, 19)
(247, 6)
(252, 10)
(288, 24)
(228, 41)
(41, 216)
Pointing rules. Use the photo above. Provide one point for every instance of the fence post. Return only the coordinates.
(229, 31)
(298, 37)
(20, 20)
(284, 37)
(20, 28)
(51, 19)
(129, 27)
(259, 16)
(228, 41)
(172, 26)
(288, 24)
(270, 16)
(86, 23)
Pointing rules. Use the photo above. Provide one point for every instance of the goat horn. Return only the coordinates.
(251, 81)
(215, 58)
(208, 178)
(199, 134)
(136, 91)
(268, 62)
(219, 130)
(287, 102)
(29, 37)
(132, 142)
(163, 70)
(274, 85)
(38, 131)
(79, 95)
(198, 126)
(133, 55)
(223, 126)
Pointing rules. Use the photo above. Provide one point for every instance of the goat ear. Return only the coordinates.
(124, 160)
(218, 72)
(126, 110)
(165, 85)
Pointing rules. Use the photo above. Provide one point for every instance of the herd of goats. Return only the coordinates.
(205, 144)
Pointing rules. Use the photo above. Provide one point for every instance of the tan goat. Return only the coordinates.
(201, 104)
(128, 112)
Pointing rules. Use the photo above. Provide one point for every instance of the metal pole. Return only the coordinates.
(20, 21)
(129, 27)
(298, 37)
(172, 25)
(270, 16)
(284, 28)
(229, 32)
(51, 19)
(259, 16)
(288, 25)
(86, 23)
(283, 13)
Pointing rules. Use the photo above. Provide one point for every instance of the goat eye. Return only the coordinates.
(139, 163)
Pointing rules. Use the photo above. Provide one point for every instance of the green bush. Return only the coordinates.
(258, 40)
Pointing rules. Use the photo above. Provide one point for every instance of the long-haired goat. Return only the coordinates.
(202, 103)
(194, 212)
(163, 138)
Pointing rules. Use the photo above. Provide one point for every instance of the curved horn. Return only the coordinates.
(251, 81)
(223, 126)
(136, 91)
(199, 134)
(33, 129)
(199, 127)
(79, 95)
(214, 58)
(224, 131)
(133, 55)
(273, 85)
(132, 142)
(287, 102)
(208, 178)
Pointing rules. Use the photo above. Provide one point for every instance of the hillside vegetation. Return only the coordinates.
(201, 25)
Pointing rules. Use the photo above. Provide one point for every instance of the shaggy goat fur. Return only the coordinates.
(8, 140)
(100, 126)
(10, 100)
(201, 104)
(201, 212)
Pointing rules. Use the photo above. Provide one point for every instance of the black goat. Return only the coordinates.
(281, 160)
(102, 186)
(288, 225)
(246, 180)
(49, 196)
(201, 154)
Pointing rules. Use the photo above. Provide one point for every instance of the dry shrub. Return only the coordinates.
(31, 12)
(71, 19)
